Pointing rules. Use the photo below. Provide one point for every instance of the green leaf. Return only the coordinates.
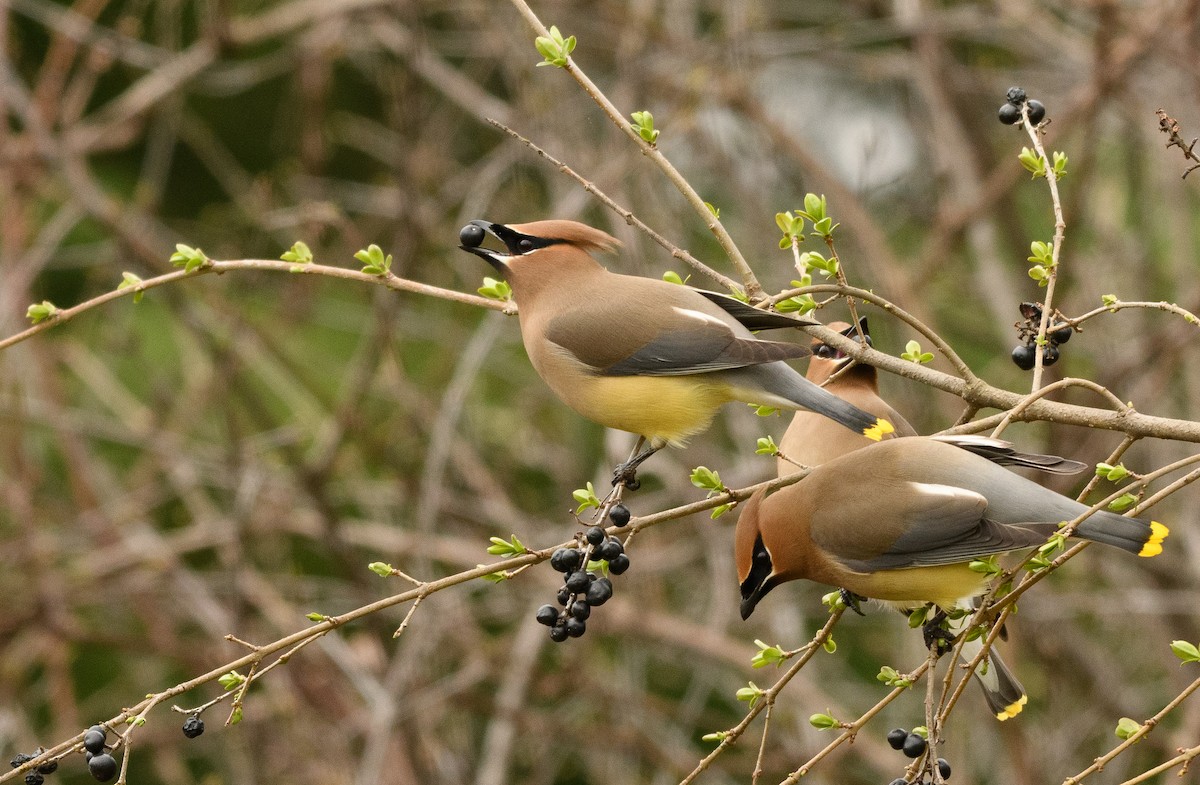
(299, 254)
(913, 353)
(987, 566)
(1060, 165)
(766, 446)
(1126, 727)
(188, 258)
(506, 548)
(495, 577)
(892, 677)
(586, 498)
(921, 731)
(792, 227)
(1112, 473)
(1109, 300)
(1054, 544)
(706, 478)
(1188, 652)
(1032, 162)
(767, 655)
(39, 312)
(918, 616)
(495, 290)
(833, 600)
(1122, 502)
(670, 276)
(131, 281)
(1042, 253)
(643, 123)
(750, 694)
(230, 680)
(1040, 274)
(823, 721)
(381, 569)
(720, 510)
(814, 207)
(830, 645)
(235, 716)
(374, 261)
(716, 211)
(720, 735)
(554, 48)
(316, 616)
(800, 304)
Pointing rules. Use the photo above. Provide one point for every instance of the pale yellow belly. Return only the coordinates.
(944, 585)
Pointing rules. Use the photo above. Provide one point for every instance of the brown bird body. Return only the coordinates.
(643, 355)
(900, 520)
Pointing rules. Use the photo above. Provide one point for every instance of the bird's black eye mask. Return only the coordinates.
(473, 234)
(828, 352)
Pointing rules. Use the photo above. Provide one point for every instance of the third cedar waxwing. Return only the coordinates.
(643, 355)
(900, 521)
(811, 441)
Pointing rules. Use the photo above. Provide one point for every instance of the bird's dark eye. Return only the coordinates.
(825, 350)
(760, 554)
(525, 244)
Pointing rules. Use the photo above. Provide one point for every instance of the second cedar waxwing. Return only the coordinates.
(642, 355)
(901, 520)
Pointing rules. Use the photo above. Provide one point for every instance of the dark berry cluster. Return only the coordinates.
(583, 589)
(101, 765)
(37, 775)
(1024, 354)
(1011, 111)
(913, 745)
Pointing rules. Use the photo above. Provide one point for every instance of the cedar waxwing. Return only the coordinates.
(644, 355)
(811, 441)
(900, 520)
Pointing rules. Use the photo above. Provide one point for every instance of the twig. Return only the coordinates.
(1170, 126)
(1060, 226)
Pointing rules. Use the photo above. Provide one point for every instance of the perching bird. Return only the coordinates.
(900, 521)
(812, 441)
(643, 355)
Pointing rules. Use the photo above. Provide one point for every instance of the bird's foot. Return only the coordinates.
(935, 633)
(852, 601)
(626, 474)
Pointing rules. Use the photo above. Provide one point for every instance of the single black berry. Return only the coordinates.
(914, 745)
(943, 766)
(103, 767)
(49, 767)
(594, 535)
(1032, 311)
(619, 515)
(93, 740)
(565, 559)
(1023, 356)
(1009, 114)
(1037, 111)
(1062, 335)
(1049, 354)
(611, 549)
(575, 627)
(1015, 96)
(599, 592)
(577, 581)
(20, 759)
(471, 236)
(193, 726)
(548, 615)
(619, 564)
(896, 737)
(633, 483)
(564, 596)
(558, 634)
(580, 610)
(34, 777)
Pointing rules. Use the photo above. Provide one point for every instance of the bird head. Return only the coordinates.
(827, 360)
(523, 242)
(755, 566)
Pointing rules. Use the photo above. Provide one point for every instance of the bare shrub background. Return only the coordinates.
(230, 453)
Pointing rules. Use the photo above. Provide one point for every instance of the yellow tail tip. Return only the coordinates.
(1012, 709)
(877, 431)
(1153, 546)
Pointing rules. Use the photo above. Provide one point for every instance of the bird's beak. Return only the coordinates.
(752, 593)
(748, 605)
(472, 236)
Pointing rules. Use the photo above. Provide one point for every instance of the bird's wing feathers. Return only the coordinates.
(753, 318)
(1003, 453)
(671, 336)
(920, 525)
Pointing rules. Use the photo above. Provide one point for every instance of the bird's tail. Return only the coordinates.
(1136, 535)
(778, 384)
(1004, 694)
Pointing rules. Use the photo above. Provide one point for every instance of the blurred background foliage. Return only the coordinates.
(230, 453)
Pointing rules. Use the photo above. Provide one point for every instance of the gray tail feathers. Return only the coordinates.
(1136, 535)
(778, 384)
(1004, 694)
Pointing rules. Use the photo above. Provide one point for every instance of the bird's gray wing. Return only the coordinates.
(917, 525)
(754, 318)
(1004, 453)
